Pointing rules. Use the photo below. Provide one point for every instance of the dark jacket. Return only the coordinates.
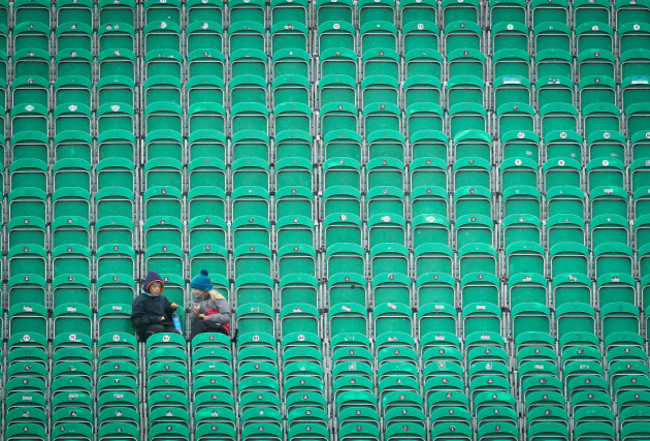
(148, 310)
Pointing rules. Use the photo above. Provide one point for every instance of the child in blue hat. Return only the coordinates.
(211, 312)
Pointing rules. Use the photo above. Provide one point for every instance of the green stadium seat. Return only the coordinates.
(378, 61)
(391, 318)
(76, 36)
(199, 10)
(598, 11)
(26, 145)
(287, 11)
(462, 34)
(420, 117)
(481, 318)
(297, 319)
(511, 90)
(518, 173)
(590, 35)
(114, 318)
(72, 320)
(251, 289)
(633, 63)
(73, 289)
(3, 51)
(413, 11)
(326, 11)
(288, 35)
(420, 35)
(32, 63)
(464, 89)
(386, 229)
(24, 260)
(298, 288)
(521, 200)
(377, 34)
(639, 145)
(115, 117)
(28, 318)
(166, 62)
(378, 90)
(252, 231)
(118, 33)
(479, 288)
(424, 62)
(389, 258)
(296, 259)
(511, 117)
(156, 10)
(632, 35)
(71, 201)
(429, 144)
(68, 11)
(529, 317)
(430, 229)
(386, 144)
(206, 62)
(206, 34)
(338, 63)
(502, 430)
(292, 203)
(27, 288)
(628, 11)
(342, 288)
(429, 200)
(422, 89)
(520, 144)
(433, 258)
(19, 431)
(295, 175)
(161, 35)
(26, 230)
(246, 35)
(470, 200)
(469, 230)
(525, 258)
(31, 35)
(569, 287)
(511, 62)
(290, 88)
(453, 10)
(471, 172)
(609, 229)
(614, 287)
(557, 11)
(71, 90)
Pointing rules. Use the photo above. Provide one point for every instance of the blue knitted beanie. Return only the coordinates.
(202, 281)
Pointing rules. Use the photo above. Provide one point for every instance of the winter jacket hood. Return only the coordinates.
(152, 276)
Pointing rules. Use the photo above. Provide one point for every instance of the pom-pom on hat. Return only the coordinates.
(202, 281)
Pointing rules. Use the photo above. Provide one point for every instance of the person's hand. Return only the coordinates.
(174, 305)
(196, 309)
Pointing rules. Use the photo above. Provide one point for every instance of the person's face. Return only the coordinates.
(155, 288)
(198, 294)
